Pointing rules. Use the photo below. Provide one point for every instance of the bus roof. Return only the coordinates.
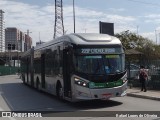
(93, 38)
(84, 39)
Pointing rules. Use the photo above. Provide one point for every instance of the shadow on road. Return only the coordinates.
(95, 104)
(20, 97)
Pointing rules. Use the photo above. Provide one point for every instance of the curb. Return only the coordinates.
(142, 96)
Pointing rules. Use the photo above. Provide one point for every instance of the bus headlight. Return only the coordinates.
(124, 79)
(80, 82)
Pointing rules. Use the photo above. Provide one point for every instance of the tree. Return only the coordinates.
(133, 41)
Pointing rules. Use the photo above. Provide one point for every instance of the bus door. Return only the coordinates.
(66, 72)
(43, 70)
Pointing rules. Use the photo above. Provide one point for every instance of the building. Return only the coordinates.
(28, 42)
(2, 32)
(21, 43)
(16, 40)
(12, 37)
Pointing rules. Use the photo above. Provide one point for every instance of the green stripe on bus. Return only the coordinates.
(105, 85)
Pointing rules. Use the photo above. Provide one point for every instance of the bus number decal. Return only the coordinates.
(85, 51)
(98, 51)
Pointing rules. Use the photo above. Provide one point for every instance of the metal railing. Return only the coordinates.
(8, 70)
(153, 68)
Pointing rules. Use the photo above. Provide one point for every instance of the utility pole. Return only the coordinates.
(39, 38)
(159, 39)
(58, 26)
(74, 16)
(28, 32)
(156, 35)
(26, 44)
(137, 29)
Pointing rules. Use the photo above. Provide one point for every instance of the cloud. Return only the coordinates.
(151, 36)
(116, 9)
(87, 20)
(152, 18)
(41, 19)
(25, 16)
(120, 19)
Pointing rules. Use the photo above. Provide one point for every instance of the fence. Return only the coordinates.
(153, 68)
(8, 70)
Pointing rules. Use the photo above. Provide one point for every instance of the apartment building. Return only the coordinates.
(17, 40)
(2, 32)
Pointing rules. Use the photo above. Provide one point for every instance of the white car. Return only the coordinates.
(133, 71)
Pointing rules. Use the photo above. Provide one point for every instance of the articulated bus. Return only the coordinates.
(77, 67)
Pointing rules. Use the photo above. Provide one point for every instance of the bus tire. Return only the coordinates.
(59, 91)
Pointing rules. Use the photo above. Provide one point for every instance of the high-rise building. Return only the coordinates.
(28, 42)
(2, 32)
(17, 40)
(21, 42)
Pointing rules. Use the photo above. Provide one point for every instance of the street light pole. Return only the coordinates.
(156, 35)
(159, 40)
(74, 16)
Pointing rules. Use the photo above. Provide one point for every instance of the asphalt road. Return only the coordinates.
(15, 96)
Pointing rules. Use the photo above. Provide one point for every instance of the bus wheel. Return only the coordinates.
(59, 91)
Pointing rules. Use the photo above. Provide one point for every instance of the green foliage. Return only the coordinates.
(133, 41)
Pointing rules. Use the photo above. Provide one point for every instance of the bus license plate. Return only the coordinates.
(106, 96)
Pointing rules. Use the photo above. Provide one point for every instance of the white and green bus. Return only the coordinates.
(77, 67)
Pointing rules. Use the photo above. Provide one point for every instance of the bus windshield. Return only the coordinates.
(100, 64)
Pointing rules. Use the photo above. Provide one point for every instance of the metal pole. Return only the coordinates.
(156, 35)
(74, 16)
(159, 39)
(137, 29)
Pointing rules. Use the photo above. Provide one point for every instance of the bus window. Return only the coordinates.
(100, 64)
(113, 64)
(90, 64)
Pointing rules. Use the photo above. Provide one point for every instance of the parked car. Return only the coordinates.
(132, 71)
(154, 70)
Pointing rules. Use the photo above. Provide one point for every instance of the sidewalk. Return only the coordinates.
(150, 94)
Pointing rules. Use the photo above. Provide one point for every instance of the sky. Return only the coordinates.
(38, 16)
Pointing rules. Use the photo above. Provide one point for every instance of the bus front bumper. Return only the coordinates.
(82, 93)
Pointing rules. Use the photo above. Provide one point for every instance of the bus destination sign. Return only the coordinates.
(98, 50)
